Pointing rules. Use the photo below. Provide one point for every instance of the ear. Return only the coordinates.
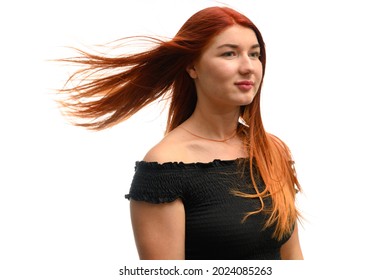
(191, 71)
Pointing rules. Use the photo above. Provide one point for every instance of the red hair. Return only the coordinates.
(104, 101)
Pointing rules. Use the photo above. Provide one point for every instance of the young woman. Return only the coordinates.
(217, 186)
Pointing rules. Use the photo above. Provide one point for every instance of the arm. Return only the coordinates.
(159, 229)
(291, 250)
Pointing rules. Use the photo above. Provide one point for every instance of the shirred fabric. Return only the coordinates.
(214, 227)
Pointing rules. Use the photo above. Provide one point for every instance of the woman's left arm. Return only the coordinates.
(291, 250)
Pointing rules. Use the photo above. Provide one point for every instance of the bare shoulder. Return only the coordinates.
(171, 148)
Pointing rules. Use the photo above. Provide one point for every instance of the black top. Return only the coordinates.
(214, 228)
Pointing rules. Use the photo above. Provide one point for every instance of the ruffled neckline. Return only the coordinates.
(189, 165)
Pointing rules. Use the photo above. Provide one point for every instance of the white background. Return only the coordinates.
(62, 209)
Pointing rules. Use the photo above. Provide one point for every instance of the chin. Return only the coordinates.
(246, 101)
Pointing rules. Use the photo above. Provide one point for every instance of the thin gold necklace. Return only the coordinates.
(209, 139)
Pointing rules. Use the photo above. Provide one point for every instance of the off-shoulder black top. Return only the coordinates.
(214, 227)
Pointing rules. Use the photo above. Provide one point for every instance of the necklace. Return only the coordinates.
(209, 139)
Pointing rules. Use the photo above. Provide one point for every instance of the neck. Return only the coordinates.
(213, 125)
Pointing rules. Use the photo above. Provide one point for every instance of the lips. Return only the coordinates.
(244, 85)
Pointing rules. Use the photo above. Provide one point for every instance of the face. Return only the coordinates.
(229, 72)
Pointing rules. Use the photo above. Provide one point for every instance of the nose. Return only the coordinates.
(246, 65)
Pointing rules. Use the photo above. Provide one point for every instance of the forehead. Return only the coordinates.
(237, 35)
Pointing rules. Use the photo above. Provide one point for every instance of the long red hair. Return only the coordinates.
(103, 99)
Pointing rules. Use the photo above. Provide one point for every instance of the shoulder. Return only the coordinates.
(277, 142)
(279, 147)
(170, 149)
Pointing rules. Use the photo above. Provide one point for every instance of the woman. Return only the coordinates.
(217, 186)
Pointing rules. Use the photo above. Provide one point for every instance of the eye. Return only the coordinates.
(254, 55)
(229, 54)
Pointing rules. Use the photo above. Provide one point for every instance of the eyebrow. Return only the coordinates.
(233, 46)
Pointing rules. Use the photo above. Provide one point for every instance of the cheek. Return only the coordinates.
(223, 72)
(216, 73)
(259, 72)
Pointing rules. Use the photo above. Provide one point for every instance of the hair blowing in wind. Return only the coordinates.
(109, 90)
